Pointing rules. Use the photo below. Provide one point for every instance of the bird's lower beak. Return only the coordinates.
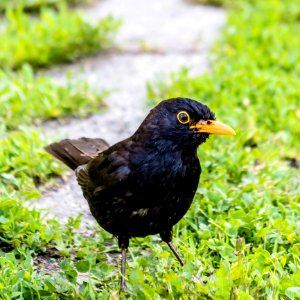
(213, 127)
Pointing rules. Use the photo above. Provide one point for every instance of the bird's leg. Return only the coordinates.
(171, 246)
(123, 244)
(166, 236)
(123, 268)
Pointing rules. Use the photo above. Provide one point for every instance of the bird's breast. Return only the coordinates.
(165, 190)
(154, 196)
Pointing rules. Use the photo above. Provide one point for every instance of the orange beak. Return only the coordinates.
(213, 127)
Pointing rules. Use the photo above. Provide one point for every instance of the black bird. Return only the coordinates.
(146, 183)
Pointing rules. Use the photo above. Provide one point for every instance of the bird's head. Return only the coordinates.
(181, 123)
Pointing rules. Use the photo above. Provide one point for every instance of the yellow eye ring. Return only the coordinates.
(183, 117)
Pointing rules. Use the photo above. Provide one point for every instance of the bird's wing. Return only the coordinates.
(103, 173)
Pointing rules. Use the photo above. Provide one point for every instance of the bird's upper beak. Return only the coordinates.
(214, 127)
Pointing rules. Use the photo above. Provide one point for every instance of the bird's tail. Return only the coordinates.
(74, 153)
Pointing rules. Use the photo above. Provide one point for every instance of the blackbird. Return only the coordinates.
(144, 184)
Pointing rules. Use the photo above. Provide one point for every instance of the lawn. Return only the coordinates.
(29, 99)
(241, 237)
(54, 37)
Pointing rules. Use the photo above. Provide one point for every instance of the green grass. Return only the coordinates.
(35, 5)
(240, 239)
(27, 99)
(28, 241)
(247, 188)
(54, 37)
(23, 160)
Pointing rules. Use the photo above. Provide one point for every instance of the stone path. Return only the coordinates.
(156, 37)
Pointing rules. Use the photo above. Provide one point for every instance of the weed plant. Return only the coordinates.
(27, 99)
(54, 37)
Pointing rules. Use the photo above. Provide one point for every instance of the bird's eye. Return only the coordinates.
(183, 117)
